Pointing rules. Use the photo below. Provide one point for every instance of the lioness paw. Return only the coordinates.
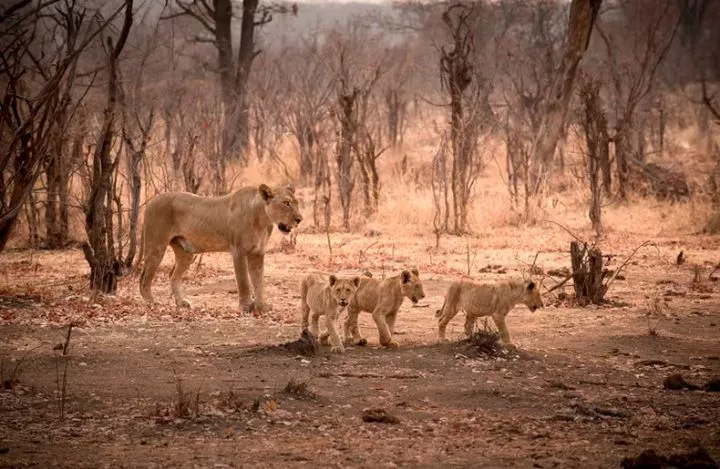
(391, 344)
(337, 349)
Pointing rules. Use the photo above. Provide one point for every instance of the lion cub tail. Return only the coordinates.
(304, 307)
(439, 312)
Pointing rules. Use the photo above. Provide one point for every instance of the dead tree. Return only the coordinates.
(310, 88)
(36, 75)
(441, 200)
(344, 155)
(355, 84)
(234, 66)
(580, 24)
(99, 249)
(588, 273)
(367, 155)
(633, 76)
(468, 104)
(594, 124)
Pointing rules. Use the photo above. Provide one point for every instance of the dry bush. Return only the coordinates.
(299, 389)
(185, 406)
(654, 312)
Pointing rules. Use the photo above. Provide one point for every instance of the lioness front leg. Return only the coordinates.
(256, 266)
(243, 283)
(335, 341)
(383, 329)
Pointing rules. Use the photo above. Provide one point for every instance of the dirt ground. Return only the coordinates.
(163, 387)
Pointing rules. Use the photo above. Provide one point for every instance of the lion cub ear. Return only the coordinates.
(405, 276)
(531, 286)
(356, 281)
(265, 192)
(415, 272)
(332, 279)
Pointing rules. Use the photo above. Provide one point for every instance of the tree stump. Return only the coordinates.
(588, 274)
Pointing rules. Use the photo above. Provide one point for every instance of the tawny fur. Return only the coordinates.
(326, 298)
(484, 299)
(383, 299)
(239, 223)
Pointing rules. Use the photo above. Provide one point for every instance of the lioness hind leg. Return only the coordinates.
(183, 259)
(153, 258)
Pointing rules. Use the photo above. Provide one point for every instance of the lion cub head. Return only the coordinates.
(342, 290)
(411, 285)
(531, 296)
(281, 206)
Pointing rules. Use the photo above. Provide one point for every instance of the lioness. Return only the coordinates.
(382, 298)
(327, 299)
(240, 223)
(483, 299)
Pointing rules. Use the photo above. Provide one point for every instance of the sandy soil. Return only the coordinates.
(583, 390)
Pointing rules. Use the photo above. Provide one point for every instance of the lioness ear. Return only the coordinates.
(290, 188)
(356, 281)
(265, 192)
(531, 286)
(333, 279)
(405, 276)
(416, 272)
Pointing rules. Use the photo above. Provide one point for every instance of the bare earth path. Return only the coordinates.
(584, 389)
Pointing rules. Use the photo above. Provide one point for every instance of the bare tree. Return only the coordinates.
(310, 86)
(580, 25)
(355, 81)
(633, 75)
(594, 125)
(37, 74)
(100, 250)
(233, 65)
(469, 107)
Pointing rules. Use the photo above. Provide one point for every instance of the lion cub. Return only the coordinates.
(484, 299)
(382, 298)
(327, 299)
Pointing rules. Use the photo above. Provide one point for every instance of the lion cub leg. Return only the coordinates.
(446, 316)
(470, 324)
(351, 330)
(335, 341)
(383, 329)
(183, 259)
(502, 327)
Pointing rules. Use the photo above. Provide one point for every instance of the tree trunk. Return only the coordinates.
(344, 154)
(580, 25)
(99, 250)
(623, 150)
(588, 274)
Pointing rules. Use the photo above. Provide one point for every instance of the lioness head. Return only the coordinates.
(281, 206)
(532, 297)
(342, 290)
(411, 285)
